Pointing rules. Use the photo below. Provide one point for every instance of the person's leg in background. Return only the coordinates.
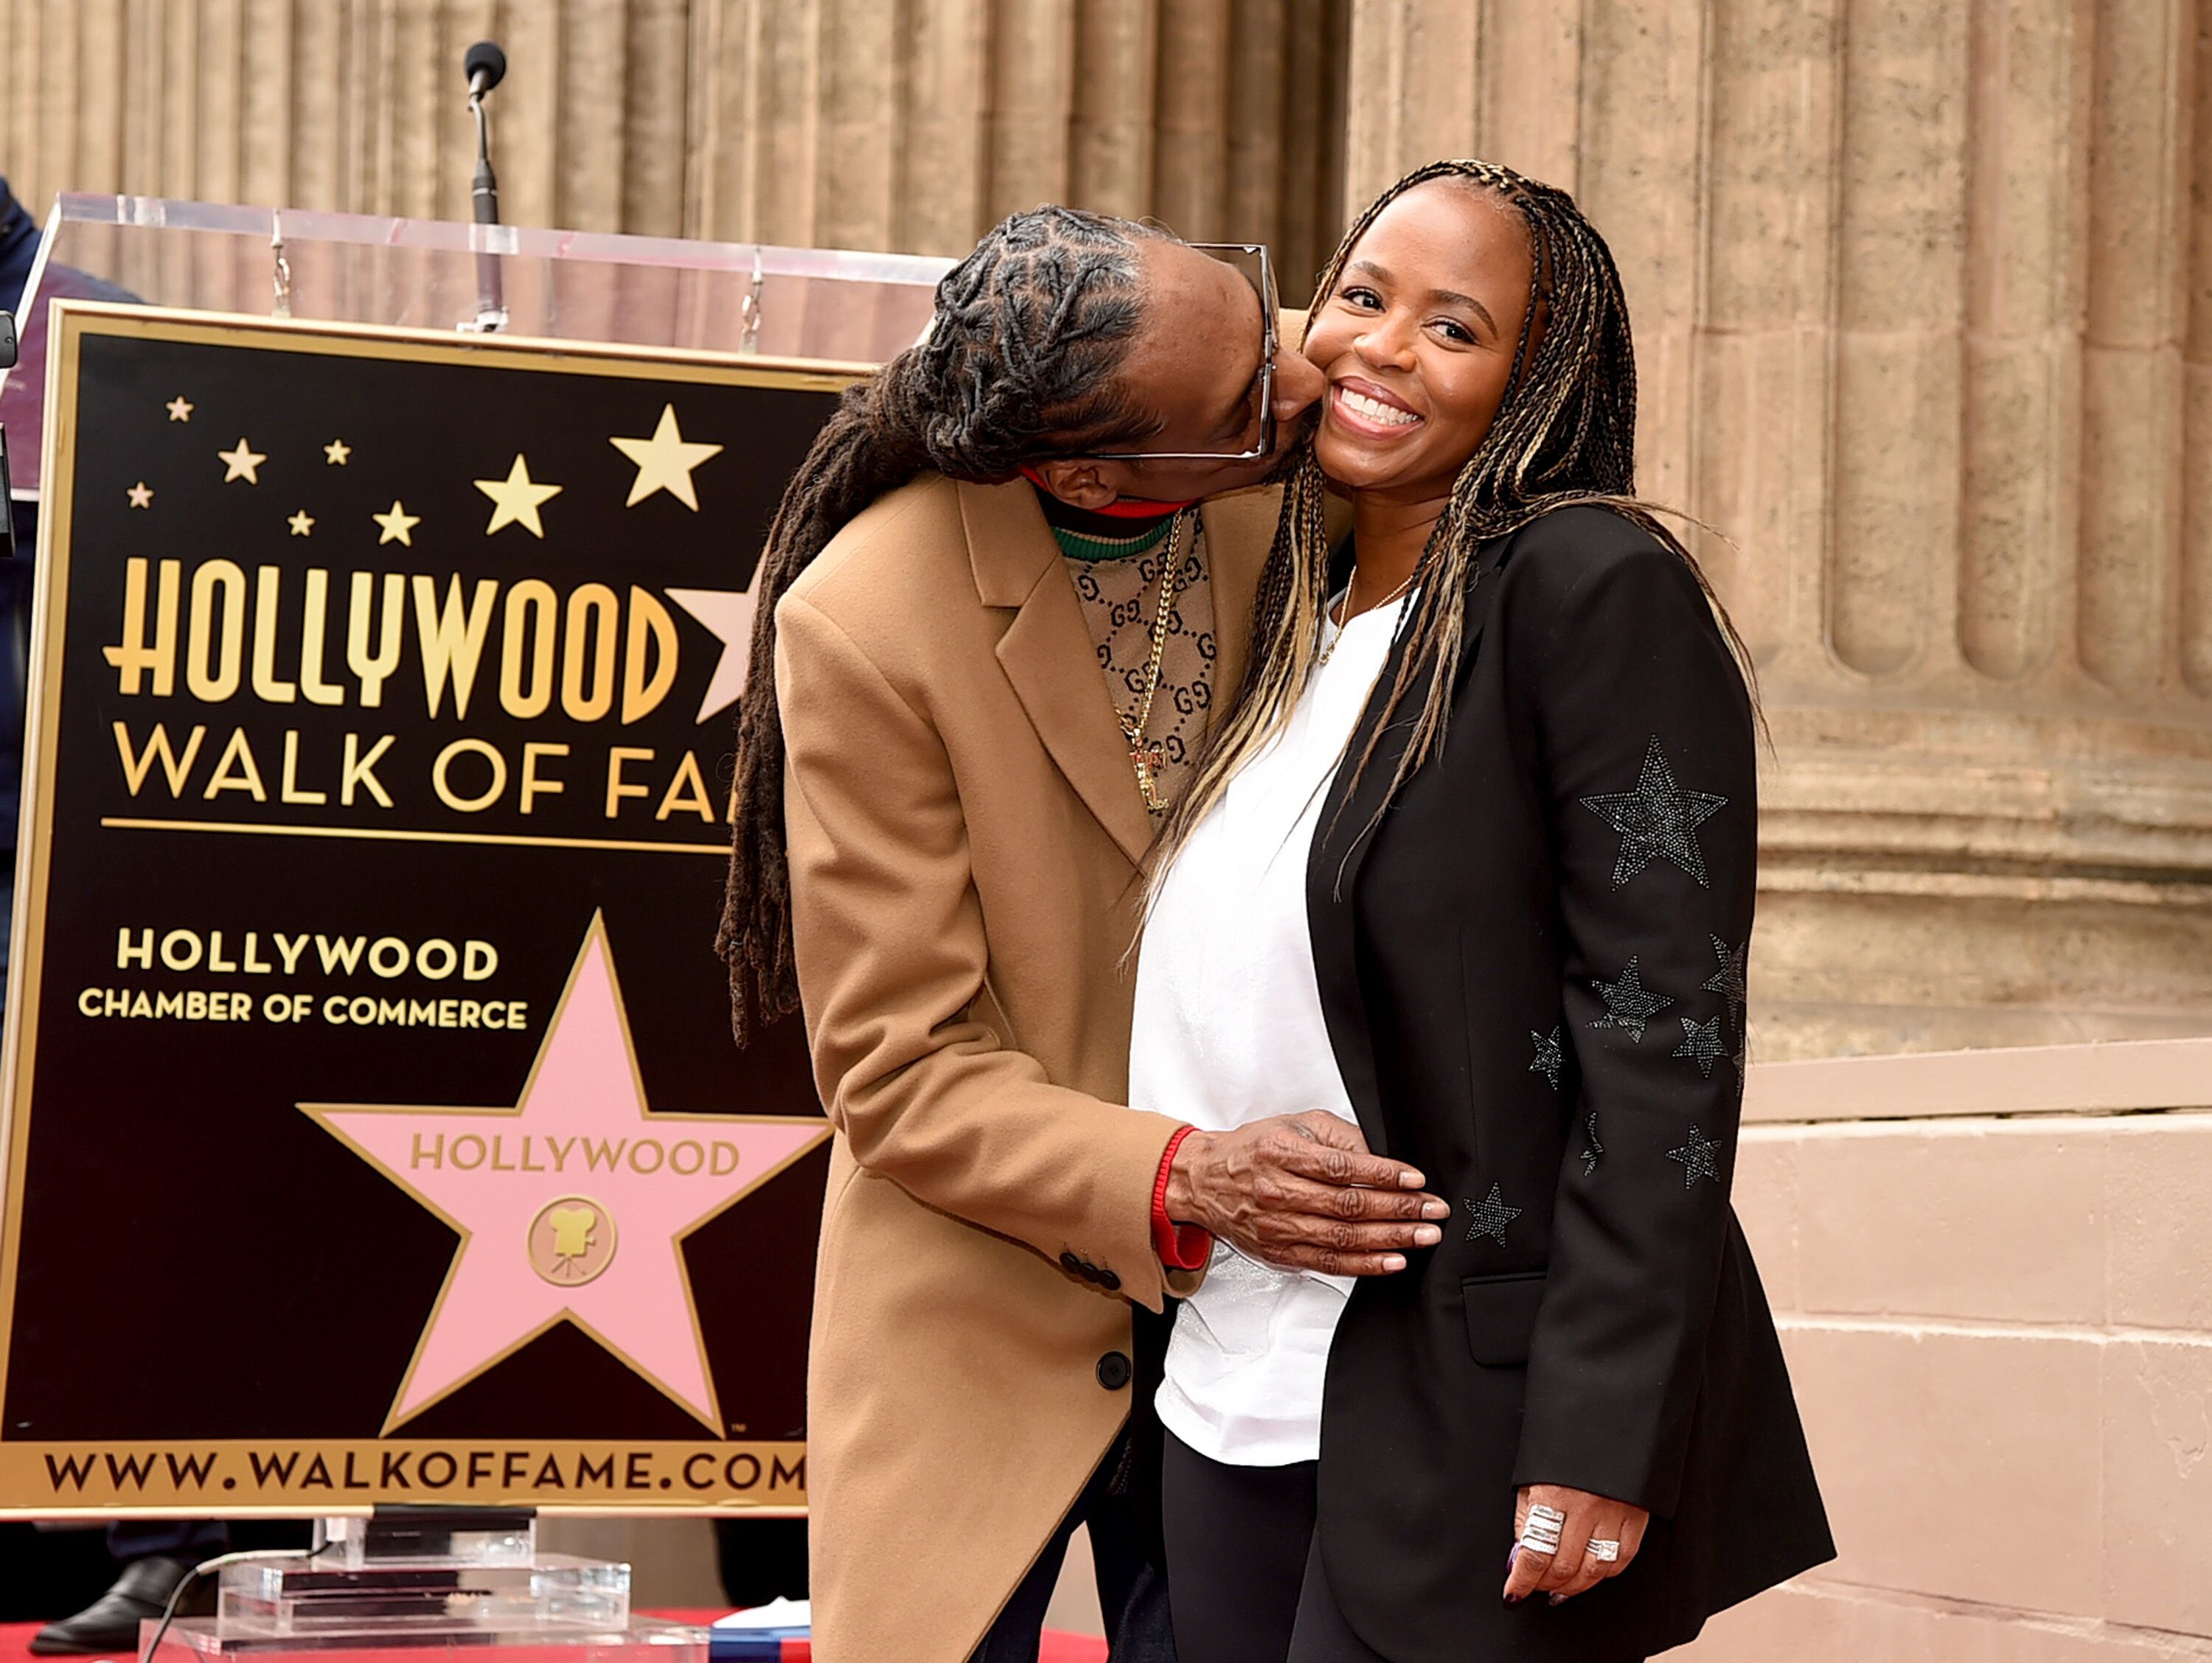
(1132, 1589)
(156, 1555)
(760, 1560)
(1132, 1597)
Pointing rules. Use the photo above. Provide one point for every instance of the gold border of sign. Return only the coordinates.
(72, 321)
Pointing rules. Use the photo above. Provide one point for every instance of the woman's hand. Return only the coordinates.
(1573, 1570)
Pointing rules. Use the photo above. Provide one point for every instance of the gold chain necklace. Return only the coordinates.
(1146, 756)
(1329, 651)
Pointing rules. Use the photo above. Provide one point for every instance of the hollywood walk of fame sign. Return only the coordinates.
(373, 1130)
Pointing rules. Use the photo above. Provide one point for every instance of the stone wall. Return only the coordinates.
(902, 125)
(1991, 1270)
(1923, 306)
(1924, 296)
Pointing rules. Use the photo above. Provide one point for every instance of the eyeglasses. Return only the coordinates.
(1270, 344)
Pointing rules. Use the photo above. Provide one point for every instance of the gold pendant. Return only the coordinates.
(1148, 760)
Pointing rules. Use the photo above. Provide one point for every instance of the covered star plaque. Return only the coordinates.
(374, 1133)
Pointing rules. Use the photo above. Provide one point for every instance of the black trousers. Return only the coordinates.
(1132, 1593)
(1244, 1567)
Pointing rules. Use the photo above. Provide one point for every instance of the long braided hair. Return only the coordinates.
(1022, 360)
(1564, 434)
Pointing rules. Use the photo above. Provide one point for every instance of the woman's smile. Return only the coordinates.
(1370, 411)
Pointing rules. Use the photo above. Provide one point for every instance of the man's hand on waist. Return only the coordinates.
(1302, 1191)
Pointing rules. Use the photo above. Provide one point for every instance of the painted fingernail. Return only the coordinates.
(1557, 1598)
(1426, 1235)
(1511, 1554)
(1393, 1261)
(1514, 1599)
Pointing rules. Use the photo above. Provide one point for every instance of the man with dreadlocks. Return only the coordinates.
(1470, 862)
(942, 809)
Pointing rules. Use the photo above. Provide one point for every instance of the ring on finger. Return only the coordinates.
(1539, 1533)
(1604, 1552)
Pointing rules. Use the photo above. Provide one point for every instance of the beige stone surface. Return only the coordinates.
(2158, 1175)
(851, 124)
(1981, 1220)
(2000, 1329)
(2158, 1484)
(1806, 1622)
(1924, 294)
(1923, 1438)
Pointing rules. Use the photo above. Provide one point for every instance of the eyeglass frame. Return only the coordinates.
(1270, 345)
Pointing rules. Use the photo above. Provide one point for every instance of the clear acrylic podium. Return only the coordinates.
(405, 1585)
(825, 305)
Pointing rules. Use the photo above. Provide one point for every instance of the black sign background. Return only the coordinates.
(192, 1258)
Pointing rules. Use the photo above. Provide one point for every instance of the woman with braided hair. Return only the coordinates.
(1469, 863)
(941, 806)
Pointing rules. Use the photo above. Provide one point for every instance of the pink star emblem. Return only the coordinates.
(571, 1205)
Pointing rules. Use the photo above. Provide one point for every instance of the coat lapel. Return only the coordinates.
(1342, 842)
(1049, 657)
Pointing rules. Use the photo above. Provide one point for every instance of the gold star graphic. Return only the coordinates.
(664, 462)
(241, 463)
(395, 526)
(515, 499)
(336, 452)
(300, 523)
(180, 409)
(141, 495)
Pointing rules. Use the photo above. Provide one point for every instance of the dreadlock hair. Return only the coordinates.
(1564, 434)
(1021, 361)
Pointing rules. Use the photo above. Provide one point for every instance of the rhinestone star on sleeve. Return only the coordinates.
(1727, 980)
(1697, 1157)
(1549, 1056)
(1701, 1044)
(1589, 1156)
(1628, 1002)
(1492, 1216)
(1656, 821)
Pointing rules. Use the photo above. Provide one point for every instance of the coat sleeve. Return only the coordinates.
(1645, 733)
(892, 962)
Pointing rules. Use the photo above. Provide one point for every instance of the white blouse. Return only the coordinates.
(1228, 1030)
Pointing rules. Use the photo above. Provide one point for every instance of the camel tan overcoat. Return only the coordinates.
(965, 831)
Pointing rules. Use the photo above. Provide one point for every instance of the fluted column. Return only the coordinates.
(905, 125)
(1924, 298)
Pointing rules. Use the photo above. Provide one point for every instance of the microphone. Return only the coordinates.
(485, 65)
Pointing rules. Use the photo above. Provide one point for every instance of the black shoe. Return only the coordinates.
(110, 1624)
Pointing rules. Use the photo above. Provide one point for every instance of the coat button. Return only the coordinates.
(1109, 1281)
(1113, 1371)
(1070, 1264)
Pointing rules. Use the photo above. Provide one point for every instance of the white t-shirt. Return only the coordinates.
(1228, 1030)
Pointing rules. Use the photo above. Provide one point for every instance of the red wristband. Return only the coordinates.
(1180, 1246)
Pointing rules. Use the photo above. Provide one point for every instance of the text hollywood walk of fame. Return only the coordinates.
(206, 629)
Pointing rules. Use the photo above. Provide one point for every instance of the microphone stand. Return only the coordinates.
(483, 198)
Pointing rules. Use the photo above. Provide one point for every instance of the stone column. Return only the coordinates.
(1924, 298)
(907, 125)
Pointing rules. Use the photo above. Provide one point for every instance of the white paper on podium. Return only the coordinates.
(776, 1614)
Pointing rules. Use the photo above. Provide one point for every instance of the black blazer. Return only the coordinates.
(1532, 971)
